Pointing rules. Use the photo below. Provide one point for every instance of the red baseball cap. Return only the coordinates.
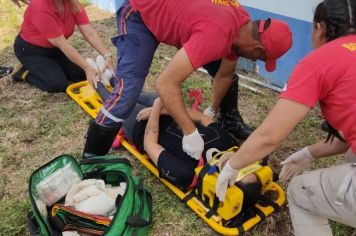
(276, 38)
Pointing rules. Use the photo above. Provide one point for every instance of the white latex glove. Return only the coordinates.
(295, 163)
(209, 112)
(193, 144)
(226, 177)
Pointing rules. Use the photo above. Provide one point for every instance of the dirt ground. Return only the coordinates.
(35, 127)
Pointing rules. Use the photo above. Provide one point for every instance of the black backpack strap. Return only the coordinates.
(95, 174)
(33, 227)
(137, 220)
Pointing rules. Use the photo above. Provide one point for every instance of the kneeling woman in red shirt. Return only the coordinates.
(49, 61)
(328, 76)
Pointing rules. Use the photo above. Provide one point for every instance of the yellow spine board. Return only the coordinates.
(83, 94)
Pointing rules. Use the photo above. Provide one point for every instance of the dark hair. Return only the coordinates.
(252, 192)
(332, 133)
(339, 17)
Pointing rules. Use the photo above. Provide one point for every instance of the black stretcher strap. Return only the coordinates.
(214, 209)
(199, 186)
(241, 230)
(259, 213)
(188, 197)
(269, 202)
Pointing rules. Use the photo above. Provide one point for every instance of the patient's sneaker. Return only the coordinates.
(20, 73)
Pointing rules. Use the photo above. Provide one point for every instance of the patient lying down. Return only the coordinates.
(151, 130)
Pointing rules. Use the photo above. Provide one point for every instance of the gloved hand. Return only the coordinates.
(226, 177)
(193, 144)
(209, 112)
(295, 163)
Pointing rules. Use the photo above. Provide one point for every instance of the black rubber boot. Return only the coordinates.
(99, 139)
(229, 117)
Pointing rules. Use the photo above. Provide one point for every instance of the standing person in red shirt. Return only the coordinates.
(205, 32)
(49, 62)
(328, 76)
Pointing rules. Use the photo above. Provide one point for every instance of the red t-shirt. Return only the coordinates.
(328, 76)
(42, 21)
(205, 28)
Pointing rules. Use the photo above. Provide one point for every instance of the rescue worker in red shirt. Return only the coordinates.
(48, 60)
(328, 76)
(207, 33)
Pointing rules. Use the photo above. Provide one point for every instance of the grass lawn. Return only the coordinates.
(35, 127)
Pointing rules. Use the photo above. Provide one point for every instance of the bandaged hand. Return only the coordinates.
(226, 177)
(107, 71)
(193, 144)
(295, 163)
(209, 112)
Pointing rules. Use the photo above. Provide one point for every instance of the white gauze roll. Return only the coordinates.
(100, 204)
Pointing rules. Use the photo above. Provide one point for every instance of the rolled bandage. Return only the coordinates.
(107, 75)
(92, 63)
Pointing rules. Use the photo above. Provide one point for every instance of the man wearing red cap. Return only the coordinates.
(215, 32)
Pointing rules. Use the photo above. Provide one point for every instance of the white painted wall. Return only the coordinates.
(298, 9)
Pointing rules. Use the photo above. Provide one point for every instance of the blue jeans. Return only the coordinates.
(136, 46)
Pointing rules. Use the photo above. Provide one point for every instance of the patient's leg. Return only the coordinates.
(130, 123)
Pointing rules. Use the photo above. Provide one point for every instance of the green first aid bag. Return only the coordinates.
(133, 210)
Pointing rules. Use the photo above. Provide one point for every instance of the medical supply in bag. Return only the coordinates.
(55, 186)
(126, 208)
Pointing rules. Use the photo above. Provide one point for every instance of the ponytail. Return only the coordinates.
(352, 5)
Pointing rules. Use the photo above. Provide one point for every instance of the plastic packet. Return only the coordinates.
(55, 186)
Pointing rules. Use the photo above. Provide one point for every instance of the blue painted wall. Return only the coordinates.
(301, 46)
(108, 5)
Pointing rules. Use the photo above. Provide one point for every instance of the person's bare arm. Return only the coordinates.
(91, 36)
(168, 88)
(199, 117)
(151, 145)
(324, 149)
(282, 119)
(196, 116)
(18, 2)
(72, 54)
(222, 82)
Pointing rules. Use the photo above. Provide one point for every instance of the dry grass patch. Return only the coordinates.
(35, 127)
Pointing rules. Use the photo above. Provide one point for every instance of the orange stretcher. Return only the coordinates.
(90, 101)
